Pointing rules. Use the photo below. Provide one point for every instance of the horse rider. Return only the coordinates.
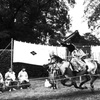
(77, 57)
(23, 76)
(77, 60)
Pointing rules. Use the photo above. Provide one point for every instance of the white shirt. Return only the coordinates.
(1, 78)
(10, 75)
(23, 76)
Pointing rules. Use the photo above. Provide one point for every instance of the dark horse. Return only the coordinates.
(67, 73)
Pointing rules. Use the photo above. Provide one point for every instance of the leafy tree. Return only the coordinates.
(92, 16)
(92, 13)
(33, 20)
(91, 38)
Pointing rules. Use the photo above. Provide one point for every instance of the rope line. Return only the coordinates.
(66, 77)
(15, 86)
(97, 75)
(48, 77)
(5, 48)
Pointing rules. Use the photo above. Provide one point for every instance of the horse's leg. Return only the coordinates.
(75, 84)
(87, 78)
(69, 83)
(65, 82)
(55, 85)
(1, 87)
(93, 78)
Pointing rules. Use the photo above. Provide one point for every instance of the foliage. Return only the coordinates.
(33, 20)
(5, 61)
(92, 12)
(91, 38)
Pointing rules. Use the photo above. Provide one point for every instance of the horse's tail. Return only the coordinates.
(98, 67)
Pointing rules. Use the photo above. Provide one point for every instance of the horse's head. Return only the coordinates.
(48, 67)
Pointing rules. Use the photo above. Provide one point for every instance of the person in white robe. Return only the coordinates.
(77, 61)
(10, 75)
(23, 76)
(1, 78)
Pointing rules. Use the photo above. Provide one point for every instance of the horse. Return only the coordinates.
(66, 69)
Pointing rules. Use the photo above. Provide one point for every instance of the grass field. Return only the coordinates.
(39, 92)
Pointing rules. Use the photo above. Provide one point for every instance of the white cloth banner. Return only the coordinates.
(22, 53)
(95, 53)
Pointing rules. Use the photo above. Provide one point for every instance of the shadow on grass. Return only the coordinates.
(69, 96)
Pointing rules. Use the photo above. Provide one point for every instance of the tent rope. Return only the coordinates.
(5, 48)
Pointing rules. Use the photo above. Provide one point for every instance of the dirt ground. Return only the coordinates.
(37, 91)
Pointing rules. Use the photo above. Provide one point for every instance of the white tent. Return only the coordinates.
(95, 53)
(35, 54)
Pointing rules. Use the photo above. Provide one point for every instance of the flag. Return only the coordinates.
(35, 54)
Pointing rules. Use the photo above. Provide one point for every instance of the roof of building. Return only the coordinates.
(76, 38)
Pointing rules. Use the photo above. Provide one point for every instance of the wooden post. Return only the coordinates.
(12, 53)
(80, 79)
(56, 51)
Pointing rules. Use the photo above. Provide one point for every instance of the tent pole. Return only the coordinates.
(12, 53)
(56, 51)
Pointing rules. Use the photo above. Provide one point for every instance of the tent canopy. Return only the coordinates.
(35, 54)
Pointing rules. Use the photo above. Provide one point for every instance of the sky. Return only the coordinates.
(78, 22)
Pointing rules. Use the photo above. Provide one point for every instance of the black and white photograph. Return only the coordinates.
(49, 49)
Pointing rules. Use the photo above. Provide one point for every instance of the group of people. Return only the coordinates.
(10, 75)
